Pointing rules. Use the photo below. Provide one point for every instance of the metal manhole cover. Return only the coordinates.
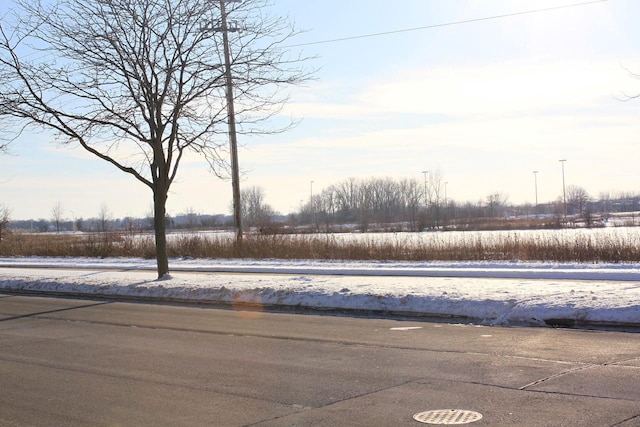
(448, 417)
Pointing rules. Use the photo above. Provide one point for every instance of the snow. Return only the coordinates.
(490, 293)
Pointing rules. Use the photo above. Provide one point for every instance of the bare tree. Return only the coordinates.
(577, 198)
(255, 211)
(193, 220)
(346, 198)
(606, 202)
(496, 201)
(104, 218)
(139, 83)
(381, 200)
(386, 199)
(57, 213)
(411, 195)
(435, 189)
(79, 224)
(5, 218)
(327, 205)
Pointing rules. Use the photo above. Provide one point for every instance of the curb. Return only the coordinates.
(566, 323)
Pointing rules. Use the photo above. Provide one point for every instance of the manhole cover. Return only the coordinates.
(448, 417)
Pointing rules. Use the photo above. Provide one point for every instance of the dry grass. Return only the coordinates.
(101, 245)
(551, 246)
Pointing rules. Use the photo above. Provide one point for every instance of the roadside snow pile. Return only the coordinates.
(490, 293)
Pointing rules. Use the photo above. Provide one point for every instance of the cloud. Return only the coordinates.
(486, 126)
(523, 87)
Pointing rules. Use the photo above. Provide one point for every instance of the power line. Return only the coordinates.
(447, 24)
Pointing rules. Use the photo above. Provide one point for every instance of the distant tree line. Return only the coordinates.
(375, 204)
(104, 222)
(409, 205)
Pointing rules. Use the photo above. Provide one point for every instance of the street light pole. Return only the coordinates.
(564, 190)
(313, 209)
(235, 173)
(446, 206)
(445, 193)
(425, 186)
(535, 178)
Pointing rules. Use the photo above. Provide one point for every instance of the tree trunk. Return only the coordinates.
(159, 225)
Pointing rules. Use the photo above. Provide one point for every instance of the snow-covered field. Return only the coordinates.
(492, 293)
(597, 236)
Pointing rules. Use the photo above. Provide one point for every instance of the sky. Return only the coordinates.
(482, 103)
(603, 294)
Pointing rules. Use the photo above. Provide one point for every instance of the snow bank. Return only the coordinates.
(489, 293)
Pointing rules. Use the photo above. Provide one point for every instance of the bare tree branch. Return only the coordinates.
(137, 83)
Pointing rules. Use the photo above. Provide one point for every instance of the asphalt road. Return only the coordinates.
(70, 362)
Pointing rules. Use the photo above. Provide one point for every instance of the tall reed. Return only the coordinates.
(557, 245)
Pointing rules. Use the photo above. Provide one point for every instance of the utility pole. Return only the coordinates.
(564, 191)
(233, 141)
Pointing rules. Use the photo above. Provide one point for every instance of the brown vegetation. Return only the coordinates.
(558, 247)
